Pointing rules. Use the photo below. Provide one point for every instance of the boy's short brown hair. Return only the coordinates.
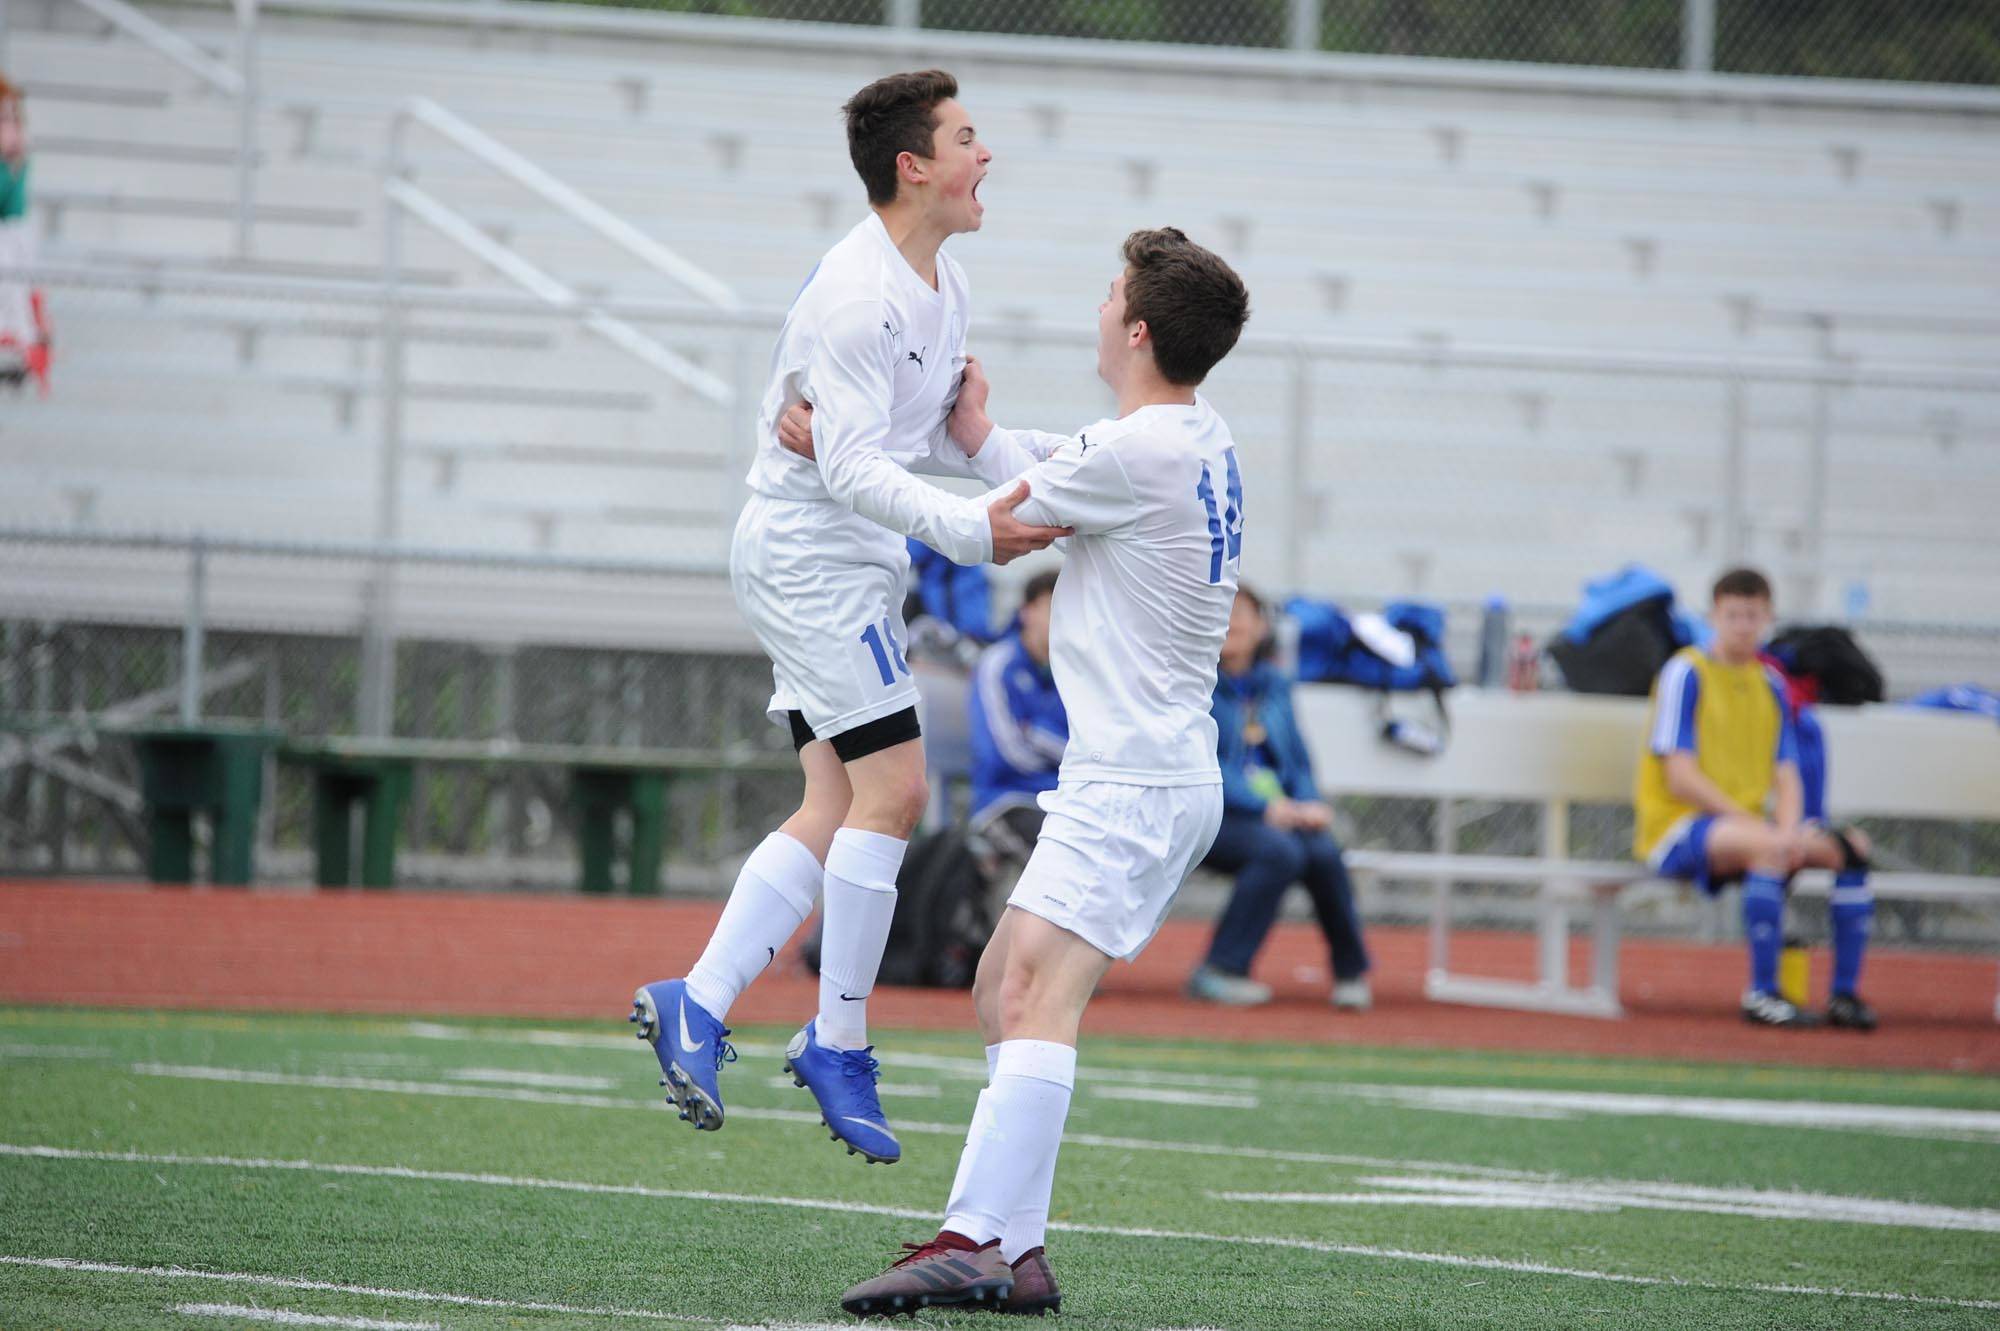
(1042, 584)
(1742, 582)
(893, 115)
(1193, 302)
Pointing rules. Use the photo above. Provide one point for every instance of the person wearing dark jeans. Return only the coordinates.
(1276, 831)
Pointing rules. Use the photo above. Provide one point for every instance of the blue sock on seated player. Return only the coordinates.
(1763, 928)
(1853, 917)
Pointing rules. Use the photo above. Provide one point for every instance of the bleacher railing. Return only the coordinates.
(239, 83)
(401, 196)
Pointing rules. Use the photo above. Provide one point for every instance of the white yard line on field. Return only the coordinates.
(330, 1287)
(1599, 1195)
(1454, 1260)
(1165, 1096)
(514, 1077)
(1505, 1102)
(243, 1312)
(257, 1077)
(968, 1069)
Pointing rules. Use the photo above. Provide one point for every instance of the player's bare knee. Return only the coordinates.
(986, 983)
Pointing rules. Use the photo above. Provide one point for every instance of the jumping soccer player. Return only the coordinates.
(875, 341)
(1719, 798)
(1155, 496)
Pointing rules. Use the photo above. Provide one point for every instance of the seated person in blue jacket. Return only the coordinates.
(1276, 831)
(1719, 798)
(1019, 728)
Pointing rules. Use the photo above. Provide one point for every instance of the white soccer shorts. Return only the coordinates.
(822, 588)
(1111, 857)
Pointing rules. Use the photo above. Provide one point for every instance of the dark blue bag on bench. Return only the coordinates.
(1331, 651)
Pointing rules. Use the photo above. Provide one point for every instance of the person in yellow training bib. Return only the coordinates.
(1719, 799)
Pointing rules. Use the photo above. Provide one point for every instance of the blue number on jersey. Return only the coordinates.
(875, 636)
(1225, 529)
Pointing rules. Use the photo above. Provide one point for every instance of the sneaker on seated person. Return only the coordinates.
(1209, 985)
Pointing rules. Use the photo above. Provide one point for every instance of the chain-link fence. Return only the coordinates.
(72, 686)
(1931, 41)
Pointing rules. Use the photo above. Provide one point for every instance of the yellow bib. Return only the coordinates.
(1736, 729)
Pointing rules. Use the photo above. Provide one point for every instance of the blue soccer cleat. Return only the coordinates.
(692, 1047)
(843, 1081)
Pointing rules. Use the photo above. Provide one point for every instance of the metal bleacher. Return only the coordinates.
(1650, 251)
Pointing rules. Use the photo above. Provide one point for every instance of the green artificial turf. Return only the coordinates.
(239, 1125)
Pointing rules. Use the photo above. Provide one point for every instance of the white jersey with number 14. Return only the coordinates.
(1143, 601)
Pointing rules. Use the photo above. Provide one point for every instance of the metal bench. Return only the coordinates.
(1557, 750)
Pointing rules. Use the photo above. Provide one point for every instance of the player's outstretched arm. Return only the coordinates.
(1081, 487)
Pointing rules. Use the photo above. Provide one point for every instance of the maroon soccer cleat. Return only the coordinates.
(1034, 1291)
(948, 1271)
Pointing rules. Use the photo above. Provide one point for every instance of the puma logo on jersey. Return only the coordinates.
(918, 357)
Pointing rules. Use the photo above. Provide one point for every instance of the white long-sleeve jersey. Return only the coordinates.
(879, 354)
(1143, 602)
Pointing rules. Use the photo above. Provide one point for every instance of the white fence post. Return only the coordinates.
(378, 647)
(1305, 24)
(904, 14)
(194, 631)
(246, 126)
(1698, 36)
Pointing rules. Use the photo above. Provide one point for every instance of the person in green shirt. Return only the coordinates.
(24, 328)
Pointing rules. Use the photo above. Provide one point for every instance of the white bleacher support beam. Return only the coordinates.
(246, 126)
(906, 15)
(1698, 36)
(378, 641)
(194, 632)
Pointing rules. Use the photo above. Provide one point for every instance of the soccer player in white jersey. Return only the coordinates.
(1141, 608)
(875, 341)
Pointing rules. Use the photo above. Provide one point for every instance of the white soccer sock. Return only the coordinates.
(772, 897)
(860, 901)
(1010, 1151)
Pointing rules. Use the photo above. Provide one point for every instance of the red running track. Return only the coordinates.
(550, 956)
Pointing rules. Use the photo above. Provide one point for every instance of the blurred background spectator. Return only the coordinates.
(1276, 831)
(24, 340)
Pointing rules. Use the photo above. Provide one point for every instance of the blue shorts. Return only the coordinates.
(1683, 853)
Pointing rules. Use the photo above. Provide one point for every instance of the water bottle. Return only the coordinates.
(1524, 670)
(1493, 638)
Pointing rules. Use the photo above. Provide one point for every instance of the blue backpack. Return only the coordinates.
(1330, 651)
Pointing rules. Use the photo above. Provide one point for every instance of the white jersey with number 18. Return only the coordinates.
(1143, 601)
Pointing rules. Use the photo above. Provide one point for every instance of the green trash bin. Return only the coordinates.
(213, 771)
(380, 787)
(603, 791)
